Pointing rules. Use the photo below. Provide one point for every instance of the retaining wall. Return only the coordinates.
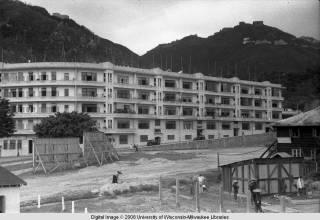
(228, 142)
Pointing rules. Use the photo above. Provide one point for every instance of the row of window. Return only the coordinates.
(85, 76)
(12, 144)
(42, 109)
(187, 125)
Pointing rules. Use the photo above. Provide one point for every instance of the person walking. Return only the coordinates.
(235, 186)
(202, 184)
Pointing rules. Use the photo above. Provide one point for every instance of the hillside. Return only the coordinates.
(31, 33)
(249, 51)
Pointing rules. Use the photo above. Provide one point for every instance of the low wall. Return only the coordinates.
(228, 142)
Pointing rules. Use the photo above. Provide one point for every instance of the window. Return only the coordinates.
(43, 91)
(30, 108)
(5, 144)
(244, 91)
(5, 93)
(143, 110)
(188, 137)
(245, 126)
(30, 76)
(187, 111)
(53, 76)
(170, 83)
(89, 108)
(258, 126)
(123, 124)
(170, 111)
(211, 125)
(257, 103)
(30, 124)
(13, 92)
(186, 99)
(143, 138)
(91, 92)
(143, 124)
(20, 108)
(19, 144)
(123, 79)
(13, 107)
(19, 124)
(226, 126)
(88, 76)
(187, 125)
(171, 97)
(187, 85)
(30, 92)
(66, 108)
(43, 76)
(66, 76)
(123, 94)
(143, 81)
(170, 125)
(43, 108)
(170, 137)
(257, 91)
(296, 152)
(110, 77)
(210, 136)
(123, 139)
(157, 122)
(66, 92)
(225, 101)
(316, 132)
(53, 91)
(295, 132)
(12, 144)
(143, 96)
(54, 108)
(20, 76)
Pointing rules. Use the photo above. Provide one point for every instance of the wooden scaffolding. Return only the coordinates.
(98, 149)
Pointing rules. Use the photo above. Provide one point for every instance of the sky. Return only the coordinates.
(141, 25)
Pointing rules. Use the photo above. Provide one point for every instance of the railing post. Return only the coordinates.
(196, 190)
(177, 192)
(160, 190)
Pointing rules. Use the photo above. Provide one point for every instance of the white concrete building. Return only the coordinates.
(9, 191)
(134, 105)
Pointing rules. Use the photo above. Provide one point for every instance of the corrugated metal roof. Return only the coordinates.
(9, 179)
(309, 118)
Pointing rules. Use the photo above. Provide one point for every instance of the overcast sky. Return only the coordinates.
(141, 25)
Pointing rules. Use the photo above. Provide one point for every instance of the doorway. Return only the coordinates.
(2, 204)
(157, 140)
(30, 146)
(236, 132)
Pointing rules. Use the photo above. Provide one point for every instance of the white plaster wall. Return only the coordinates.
(12, 199)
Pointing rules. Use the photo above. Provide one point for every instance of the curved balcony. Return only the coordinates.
(79, 98)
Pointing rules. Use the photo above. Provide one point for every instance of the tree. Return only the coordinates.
(7, 125)
(65, 125)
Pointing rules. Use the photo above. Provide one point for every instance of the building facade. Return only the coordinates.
(134, 105)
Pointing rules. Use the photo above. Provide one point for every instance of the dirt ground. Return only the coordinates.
(138, 188)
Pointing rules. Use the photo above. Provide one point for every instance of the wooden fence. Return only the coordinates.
(52, 153)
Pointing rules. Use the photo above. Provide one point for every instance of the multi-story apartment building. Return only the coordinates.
(134, 105)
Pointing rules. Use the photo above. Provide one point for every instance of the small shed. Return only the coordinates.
(274, 175)
(9, 191)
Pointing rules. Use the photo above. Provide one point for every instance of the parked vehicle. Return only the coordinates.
(199, 138)
(153, 142)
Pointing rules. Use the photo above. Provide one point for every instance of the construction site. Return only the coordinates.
(154, 178)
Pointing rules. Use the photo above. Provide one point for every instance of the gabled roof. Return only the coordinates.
(309, 118)
(9, 179)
